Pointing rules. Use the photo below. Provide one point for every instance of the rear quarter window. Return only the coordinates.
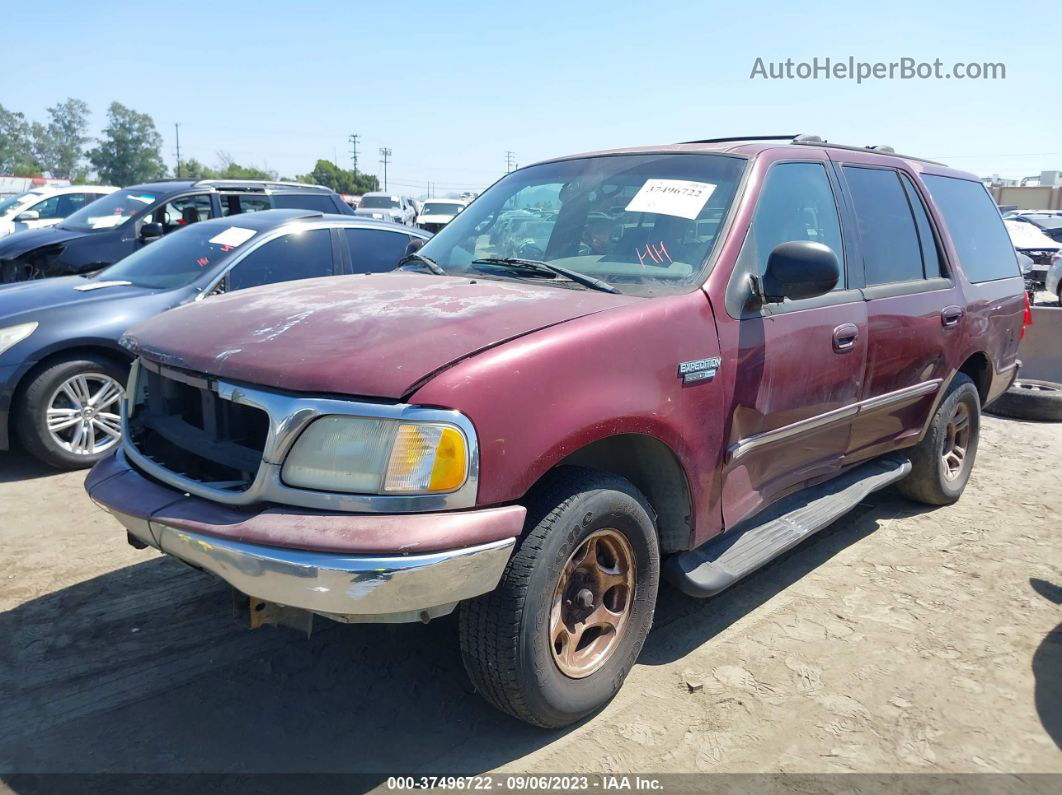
(977, 231)
(294, 201)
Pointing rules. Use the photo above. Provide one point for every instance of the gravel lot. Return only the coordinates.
(900, 639)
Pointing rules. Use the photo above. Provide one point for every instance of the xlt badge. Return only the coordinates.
(699, 369)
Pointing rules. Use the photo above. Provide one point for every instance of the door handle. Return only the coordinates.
(844, 337)
(950, 316)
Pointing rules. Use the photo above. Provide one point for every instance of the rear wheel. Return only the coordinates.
(555, 640)
(68, 415)
(943, 460)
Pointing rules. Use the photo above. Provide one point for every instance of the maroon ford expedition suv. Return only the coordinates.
(672, 361)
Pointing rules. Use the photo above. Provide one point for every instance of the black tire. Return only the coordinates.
(1029, 399)
(31, 406)
(928, 481)
(504, 634)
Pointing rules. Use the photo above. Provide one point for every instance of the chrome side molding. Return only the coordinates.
(743, 447)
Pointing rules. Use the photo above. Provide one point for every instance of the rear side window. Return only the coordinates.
(300, 255)
(375, 250)
(976, 229)
(891, 251)
(234, 204)
(309, 201)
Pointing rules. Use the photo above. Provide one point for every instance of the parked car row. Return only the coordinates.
(119, 223)
(62, 369)
(674, 361)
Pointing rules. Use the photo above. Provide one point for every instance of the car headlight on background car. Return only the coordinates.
(12, 335)
(360, 455)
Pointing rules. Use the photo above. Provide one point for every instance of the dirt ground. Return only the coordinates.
(899, 639)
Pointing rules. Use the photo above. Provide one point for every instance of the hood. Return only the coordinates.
(370, 336)
(19, 243)
(34, 297)
(1029, 236)
(435, 218)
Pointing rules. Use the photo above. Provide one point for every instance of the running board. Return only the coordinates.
(725, 559)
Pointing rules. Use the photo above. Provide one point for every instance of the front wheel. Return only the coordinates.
(68, 415)
(943, 460)
(557, 637)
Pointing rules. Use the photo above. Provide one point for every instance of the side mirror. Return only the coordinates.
(28, 215)
(414, 246)
(800, 269)
(151, 231)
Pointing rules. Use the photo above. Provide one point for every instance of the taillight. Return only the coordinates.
(1026, 316)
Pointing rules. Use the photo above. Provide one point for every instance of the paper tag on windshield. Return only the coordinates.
(233, 236)
(679, 197)
(106, 221)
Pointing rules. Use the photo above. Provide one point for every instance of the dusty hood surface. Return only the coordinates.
(374, 336)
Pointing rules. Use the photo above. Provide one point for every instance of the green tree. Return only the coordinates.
(16, 145)
(227, 169)
(60, 147)
(129, 150)
(193, 169)
(340, 180)
(230, 169)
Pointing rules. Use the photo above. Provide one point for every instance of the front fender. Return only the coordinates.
(538, 399)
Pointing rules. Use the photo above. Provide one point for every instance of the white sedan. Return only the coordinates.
(42, 207)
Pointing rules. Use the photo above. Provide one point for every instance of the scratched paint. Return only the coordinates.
(372, 336)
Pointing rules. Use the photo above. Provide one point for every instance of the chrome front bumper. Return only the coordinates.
(352, 588)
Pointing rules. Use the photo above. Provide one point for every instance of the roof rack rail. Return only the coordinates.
(880, 149)
(268, 183)
(735, 138)
(814, 140)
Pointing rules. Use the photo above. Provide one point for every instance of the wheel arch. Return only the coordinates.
(979, 370)
(655, 470)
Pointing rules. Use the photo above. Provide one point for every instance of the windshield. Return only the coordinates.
(644, 223)
(181, 257)
(110, 211)
(14, 201)
(441, 208)
(378, 202)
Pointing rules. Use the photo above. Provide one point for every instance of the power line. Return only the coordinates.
(510, 160)
(385, 154)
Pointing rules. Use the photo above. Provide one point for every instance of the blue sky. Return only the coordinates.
(451, 86)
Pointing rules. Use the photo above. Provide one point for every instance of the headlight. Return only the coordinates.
(12, 335)
(378, 456)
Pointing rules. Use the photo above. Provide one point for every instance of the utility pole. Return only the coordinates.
(385, 154)
(177, 132)
(510, 160)
(353, 138)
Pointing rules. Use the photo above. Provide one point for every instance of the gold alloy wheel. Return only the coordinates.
(592, 603)
(956, 442)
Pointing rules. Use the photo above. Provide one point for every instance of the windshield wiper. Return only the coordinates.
(539, 266)
(428, 262)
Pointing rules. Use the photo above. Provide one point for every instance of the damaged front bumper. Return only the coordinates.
(349, 567)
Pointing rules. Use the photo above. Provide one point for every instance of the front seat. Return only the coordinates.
(189, 215)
